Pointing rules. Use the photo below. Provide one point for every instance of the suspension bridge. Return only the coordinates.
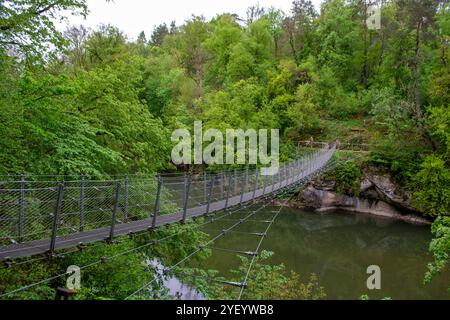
(41, 218)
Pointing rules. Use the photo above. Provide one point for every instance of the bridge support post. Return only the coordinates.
(21, 208)
(184, 185)
(265, 185)
(115, 210)
(294, 171)
(256, 183)
(307, 166)
(244, 189)
(235, 183)
(289, 170)
(288, 178)
(205, 176)
(294, 175)
(82, 186)
(310, 164)
(157, 201)
(313, 159)
(273, 183)
(301, 168)
(222, 183)
(228, 191)
(126, 198)
(187, 188)
(279, 178)
(56, 218)
(211, 187)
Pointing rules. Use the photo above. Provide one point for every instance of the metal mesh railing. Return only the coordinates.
(38, 209)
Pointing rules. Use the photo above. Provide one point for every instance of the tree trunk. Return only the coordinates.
(419, 113)
(366, 63)
(418, 107)
(292, 44)
(275, 40)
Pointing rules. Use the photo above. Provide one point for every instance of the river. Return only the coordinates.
(338, 247)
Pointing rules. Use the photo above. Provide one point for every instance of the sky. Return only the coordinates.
(134, 16)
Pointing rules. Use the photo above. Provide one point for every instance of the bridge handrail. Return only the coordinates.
(36, 210)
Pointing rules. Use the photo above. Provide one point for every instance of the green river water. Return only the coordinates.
(338, 247)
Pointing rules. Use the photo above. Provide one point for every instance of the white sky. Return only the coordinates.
(134, 16)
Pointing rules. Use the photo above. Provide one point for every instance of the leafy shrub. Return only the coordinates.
(266, 282)
(432, 187)
(348, 177)
(439, 247)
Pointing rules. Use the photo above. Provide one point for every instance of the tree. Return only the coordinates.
(225, 34)
(162, 84)
(105, 45)
(253, 56)
(187, 45)
(77, 51)
(341, 47)
(158, 35)
(432, 187)
(276, 18)
(254, 13)
(439, 247)
(418, 14)
(26, 27)
(299, 27)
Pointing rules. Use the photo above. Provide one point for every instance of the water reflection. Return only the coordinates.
(175, 288)
(339, 247)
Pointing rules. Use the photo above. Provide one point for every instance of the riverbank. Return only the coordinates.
(356, 206)
(374, 193)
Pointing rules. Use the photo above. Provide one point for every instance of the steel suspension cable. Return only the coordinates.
(258, 248)
(201, 248)
(106, 259)
(153, 242)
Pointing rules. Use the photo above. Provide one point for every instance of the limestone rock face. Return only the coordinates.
(315, 199)
(382, 187)
(379, 195)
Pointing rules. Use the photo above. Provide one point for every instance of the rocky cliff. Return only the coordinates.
(379, 195)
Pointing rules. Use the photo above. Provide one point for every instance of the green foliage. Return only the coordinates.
(439, 247)
(340, 46)
(440, 127)
(96, 103)
(399, 142)
(348, 178)
(265, 282)
(301, 112)
(28, 26)
(17, 276)
(432, 187)
(110, 271)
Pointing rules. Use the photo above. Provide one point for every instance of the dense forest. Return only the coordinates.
(95, 102)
